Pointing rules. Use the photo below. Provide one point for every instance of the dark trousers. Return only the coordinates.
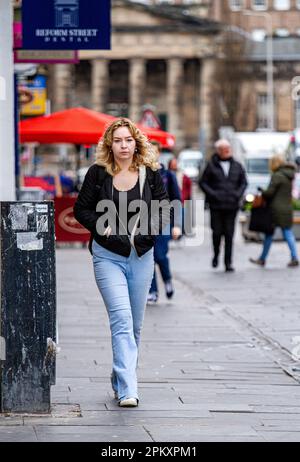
(223, 224)
(161, 249)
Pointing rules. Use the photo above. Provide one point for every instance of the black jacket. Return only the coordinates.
(223, 192)
(92, 192)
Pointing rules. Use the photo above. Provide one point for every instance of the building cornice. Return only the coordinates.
(180, 17)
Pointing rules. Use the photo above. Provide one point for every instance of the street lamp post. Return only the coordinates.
(269, 59)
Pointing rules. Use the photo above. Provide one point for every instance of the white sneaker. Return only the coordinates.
(128, 402)
(152, 298)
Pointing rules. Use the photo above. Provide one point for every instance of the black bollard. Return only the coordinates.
(27, 306)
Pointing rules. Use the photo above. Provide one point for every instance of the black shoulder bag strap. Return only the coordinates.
(150, 178)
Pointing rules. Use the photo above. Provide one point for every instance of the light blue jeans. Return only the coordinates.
(124, 284)
(288, 236)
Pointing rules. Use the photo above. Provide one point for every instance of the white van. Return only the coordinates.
(254, 150)
(190, 162)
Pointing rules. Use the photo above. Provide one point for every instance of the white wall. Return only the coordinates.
(7, 156)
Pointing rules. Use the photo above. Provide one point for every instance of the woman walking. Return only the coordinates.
(125, 172)
(279, 198)
(161, 244)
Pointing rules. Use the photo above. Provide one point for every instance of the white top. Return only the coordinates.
(225, 164)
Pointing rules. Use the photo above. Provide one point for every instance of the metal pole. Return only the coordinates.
(7, 147)
(17, 147)
(270, 77)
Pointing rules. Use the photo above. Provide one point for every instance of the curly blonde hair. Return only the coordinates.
(145, 154)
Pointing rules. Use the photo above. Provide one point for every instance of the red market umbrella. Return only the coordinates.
(78, 126)
(164, 138)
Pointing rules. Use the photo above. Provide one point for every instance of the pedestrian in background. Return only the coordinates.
(126, 170)
(186, 190)
(279, 198)
(223, 182)
(184, 182)
(161, 246)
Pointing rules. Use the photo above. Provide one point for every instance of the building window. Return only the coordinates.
(260, 5)
(282, 5)
(282, 32)
(262, 111)
(259, 35)
(236, 5)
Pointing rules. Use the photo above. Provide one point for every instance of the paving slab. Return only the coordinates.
(17, 434)
(98, 433)
(212, 360)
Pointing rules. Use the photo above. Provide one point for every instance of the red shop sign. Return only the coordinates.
(67, 228)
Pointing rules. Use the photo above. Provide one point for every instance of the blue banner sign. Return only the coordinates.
(66, 24)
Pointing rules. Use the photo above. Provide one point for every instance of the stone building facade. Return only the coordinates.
(256, 20)
(282, 16)
(260, 20)
(284, 13)
(166, 54)
(159, 57)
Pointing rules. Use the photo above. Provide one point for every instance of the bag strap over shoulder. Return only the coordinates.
(150, 178)
(142, 178)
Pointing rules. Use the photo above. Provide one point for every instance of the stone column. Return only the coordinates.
(137, 77)
(100, 81)
(175, 81)
(62, 85)
(207, 101)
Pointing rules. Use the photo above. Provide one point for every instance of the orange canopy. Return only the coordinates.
(78, 126)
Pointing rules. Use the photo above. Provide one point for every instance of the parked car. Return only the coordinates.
(190, 162)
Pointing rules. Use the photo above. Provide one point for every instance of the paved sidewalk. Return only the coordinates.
(214, 362)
